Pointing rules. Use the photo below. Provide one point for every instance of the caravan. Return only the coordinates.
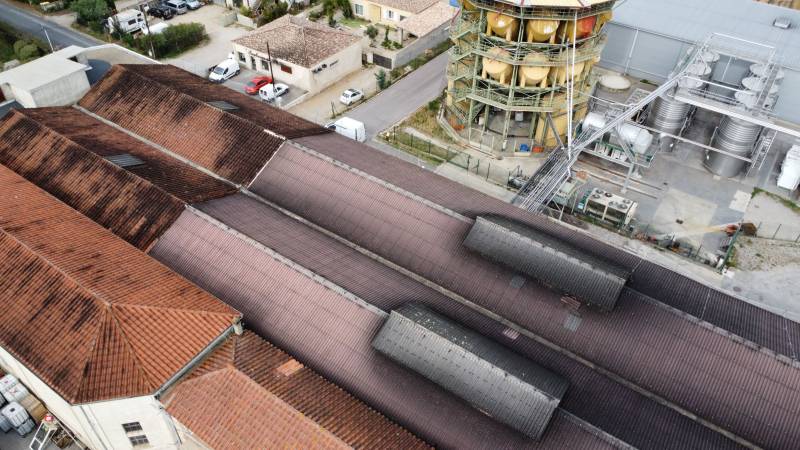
(127, 21)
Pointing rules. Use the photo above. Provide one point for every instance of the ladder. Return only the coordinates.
(761, 151)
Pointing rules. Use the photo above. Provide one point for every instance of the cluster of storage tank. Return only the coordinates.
(22, 410)
(761, 87)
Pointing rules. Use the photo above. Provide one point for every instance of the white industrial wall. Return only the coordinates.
(99, 425)
(647, 37)
(62, 92)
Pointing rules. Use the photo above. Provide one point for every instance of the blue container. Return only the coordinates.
(455, 3)
(524, 148)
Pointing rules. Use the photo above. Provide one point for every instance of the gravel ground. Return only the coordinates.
(756, 254)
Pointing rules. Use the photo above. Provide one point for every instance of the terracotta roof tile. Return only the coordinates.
(89, 314)
(298, 40)
(169, 107)
(159, 168)
(133, 208)
(339, 418)
(230, 411)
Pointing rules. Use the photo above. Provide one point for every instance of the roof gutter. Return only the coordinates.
(235, 328)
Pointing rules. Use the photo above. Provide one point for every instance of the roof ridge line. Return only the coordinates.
(92, 154)
(169, 308)
(197, 100)
(131, 348)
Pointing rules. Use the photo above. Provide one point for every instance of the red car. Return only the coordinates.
(256, 83)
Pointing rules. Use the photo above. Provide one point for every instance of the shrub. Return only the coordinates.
(371, 32)
(271, 12)
(90, 12)
(382, 80)
(396, 73)
(315, 15)
(174, 40)
(434, 105)
(331, 21)
(245, 11)
(18, 46)
(27, 52)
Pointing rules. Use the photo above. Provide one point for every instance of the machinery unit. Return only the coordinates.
(521, 71)
(637, 139)
(608, 207)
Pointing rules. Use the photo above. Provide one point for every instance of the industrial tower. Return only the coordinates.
(518, 68)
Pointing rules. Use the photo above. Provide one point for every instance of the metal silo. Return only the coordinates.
(668, 116)
(737, 137)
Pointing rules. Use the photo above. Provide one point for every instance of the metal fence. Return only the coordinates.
(778, 231)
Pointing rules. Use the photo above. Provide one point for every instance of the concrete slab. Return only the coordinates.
(684, 214)
(218, 46)
(320, 107)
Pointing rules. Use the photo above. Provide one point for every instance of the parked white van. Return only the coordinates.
(349, 128)
(128, 21)
(224, 70)
(155, 29)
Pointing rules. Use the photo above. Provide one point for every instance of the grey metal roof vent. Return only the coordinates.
(124, 160)
(784, 23)
(557, 264)
(504, 385)
(223, 105)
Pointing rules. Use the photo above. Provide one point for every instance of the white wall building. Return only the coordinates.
(303, 53)
(56, 79)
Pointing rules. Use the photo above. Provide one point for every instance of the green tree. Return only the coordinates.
(271, 12)
(90, 12)
(372, 32)
(382, 80)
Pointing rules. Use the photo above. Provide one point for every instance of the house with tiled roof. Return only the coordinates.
(302, 53)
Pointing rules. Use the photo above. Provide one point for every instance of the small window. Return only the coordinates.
(264, 64)
(389, 14)
(132, 426)
(402, 18)
(139, 440)
(359, 9)
(132, 22)
(286, 69)
(333, 63)
(242, 57)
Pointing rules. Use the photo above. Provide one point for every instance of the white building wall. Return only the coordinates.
(99, 425)
(344, 63)
(62, 92)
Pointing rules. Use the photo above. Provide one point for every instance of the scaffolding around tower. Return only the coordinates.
(520, 73)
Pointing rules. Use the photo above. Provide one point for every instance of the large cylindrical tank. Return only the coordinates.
(496, 69)
(667, 116)
(698, 72)
(560, 122)
(559, 74)
(532, 75)
(541, 30)
(502, 25)
(637, 138)
(603, 19)
(735, 136)
(585, 27)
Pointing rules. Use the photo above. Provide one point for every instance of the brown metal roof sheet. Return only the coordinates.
(179, 179)
(332, 334)
(761, 327)
(134, 209)
(228, 410)
(89, 314)
(634, 342)
(593, 397)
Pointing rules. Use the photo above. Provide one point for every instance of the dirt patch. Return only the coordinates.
(756, 254)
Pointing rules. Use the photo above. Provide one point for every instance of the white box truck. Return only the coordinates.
(349, 128)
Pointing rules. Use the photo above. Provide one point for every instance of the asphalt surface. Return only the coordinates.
(402, 98)
(34, 25)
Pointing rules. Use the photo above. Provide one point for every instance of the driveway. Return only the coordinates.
(319, 108)
(403, 98)
(29, 23)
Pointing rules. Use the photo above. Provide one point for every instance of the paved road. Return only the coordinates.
(32, 24)
(402, 98)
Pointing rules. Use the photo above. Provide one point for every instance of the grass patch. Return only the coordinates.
(425, 120)
(355, 22)
(421, 148)
(784, 201)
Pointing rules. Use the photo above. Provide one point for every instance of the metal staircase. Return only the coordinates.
(761, 151)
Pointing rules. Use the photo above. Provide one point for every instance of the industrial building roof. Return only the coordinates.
(89, 314)
(509, 388)
(298, 40)
(593, 397)
(284, 303)
(133, 208)
(556, 263)
(44, 70)
(259, 373)
(182, 181)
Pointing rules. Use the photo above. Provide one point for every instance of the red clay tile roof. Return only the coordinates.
(169, 106)
(227, 410)
(133, 208)
(258, 372)
(91, 315)
(168, 173)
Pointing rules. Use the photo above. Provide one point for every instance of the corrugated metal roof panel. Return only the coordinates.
(544, 258)
(504, 385)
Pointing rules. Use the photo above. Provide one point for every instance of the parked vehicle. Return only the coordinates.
(155, 29)
(161, 12)
(272, 91)
(351, 96)
(257, 83)
(350, 128)
(223, 71)
(193, 4)
(177, 6)
(127, 21)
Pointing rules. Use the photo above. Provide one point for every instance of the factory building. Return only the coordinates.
(518, 69)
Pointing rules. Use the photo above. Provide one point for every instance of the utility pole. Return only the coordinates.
(147, 26)
(271, 72)
(48, 39)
